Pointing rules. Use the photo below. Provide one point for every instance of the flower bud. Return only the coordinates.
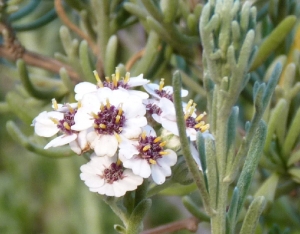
(172, 141)
(181, 173)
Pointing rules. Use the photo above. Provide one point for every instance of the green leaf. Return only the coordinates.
(85, 62)
(252, 215)
(194, 209)
(295, 173)
(292, 135)
(134, 224)
(18, 136)
(47, 93)
(273, 40)
(110, 55)
(233, 210)
(268, 188)
(251, 162)
(295, 157)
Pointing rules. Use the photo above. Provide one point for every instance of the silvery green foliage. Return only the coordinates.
(233, 162)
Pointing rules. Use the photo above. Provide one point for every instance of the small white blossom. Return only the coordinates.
(112, 114)
(167, 118)
(115, 83)
(106, 176)
(47, 124)
(161, 91)
(147, 156)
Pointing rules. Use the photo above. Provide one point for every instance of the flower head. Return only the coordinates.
(167, 118)
(147, 156)
(112, 83)
(47, 124)
(161, 91)
(111, 114)
(106, 176)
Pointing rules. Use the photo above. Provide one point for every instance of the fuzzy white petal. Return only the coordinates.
(44, 126)
(137, 81)
(105, 145)
(61, 140)
(158, 175)
(83, 88)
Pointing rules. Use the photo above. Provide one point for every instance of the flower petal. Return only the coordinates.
(105, 145)
(61, 140)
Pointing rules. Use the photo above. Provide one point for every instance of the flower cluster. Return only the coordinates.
(112, 122)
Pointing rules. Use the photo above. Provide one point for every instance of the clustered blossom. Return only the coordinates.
(112, 122)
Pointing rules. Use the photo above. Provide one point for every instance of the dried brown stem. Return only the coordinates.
(190, 224)
(40, 61)
(133, 59)
(62, 15)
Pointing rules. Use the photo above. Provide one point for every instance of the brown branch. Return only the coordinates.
(62, 15)
(133, 59)
(38, 60)
(190, 224)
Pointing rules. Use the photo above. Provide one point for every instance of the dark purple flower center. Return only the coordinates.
(113, 173)
(151, 148)
(112, 86)
(153, 109)
(163, 93)
(190, 122)
(65, 124)
(109, 120)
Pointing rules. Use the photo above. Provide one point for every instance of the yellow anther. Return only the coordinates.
(199, 125)
(118, 137)
(107, 79)
(103, 126)
(107, 103)
(102, 107)
(189, 104)
(118, 117)
(67, 126)
(95, 125)
(163, 152)
(157, 139)
(152, 161)
(95, 116)
(199, 117)
(146, 147)
(143, 135)
(79, 104)
(117, 74)
(70, 108)
(99, 82)
(119, 162)
(120, 111)
(204, 128)
(161, 84)
(54, 120)
(162, 144)
(127, 77)
(54, 103)
(192, 109)
(114, 80)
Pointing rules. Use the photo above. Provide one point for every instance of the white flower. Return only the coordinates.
(112, 114)
(147, 156)
(47, 124)
(161, 91)
(167, 118)
(115, 83)
(106, 176)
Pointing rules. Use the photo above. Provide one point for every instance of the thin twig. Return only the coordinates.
(40, 61)
(133, 59)
(190, 224)
(62, 15)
